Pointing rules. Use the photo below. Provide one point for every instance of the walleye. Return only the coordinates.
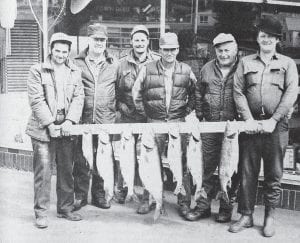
(195, 162)
(127, 157)
(87, 149)
(105, 164)
(229, 159)
(175, 159)
(150, 170)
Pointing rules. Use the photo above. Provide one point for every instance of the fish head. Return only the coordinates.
(103, 137)
(148, 139)
(174, 131)
(195, 132)
(126, 134)
(231, 129)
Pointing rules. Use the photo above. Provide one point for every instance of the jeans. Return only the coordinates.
(271, 148)
(59, 150)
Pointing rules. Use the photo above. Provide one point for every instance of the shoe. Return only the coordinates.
(70, 216)
(145, 208)
(41, 222)
(245, 221)
(198, 213)
(183, 210)
(78, 204)
(269, 229)
(224, 215)
(101, 203)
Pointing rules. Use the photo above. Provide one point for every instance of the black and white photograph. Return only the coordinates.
(149, 121)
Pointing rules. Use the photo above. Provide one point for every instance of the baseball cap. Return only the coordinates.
(59, 36)
(97, 30)
(168, 40)
(223, 38)
(139, 28)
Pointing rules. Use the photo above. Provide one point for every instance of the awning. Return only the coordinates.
(8, 13)
(278, 2)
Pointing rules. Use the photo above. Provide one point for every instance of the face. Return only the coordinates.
(97, 45)
(267, 43)
(139, 42)
(226, 53)
(169, 54)
(60, 53)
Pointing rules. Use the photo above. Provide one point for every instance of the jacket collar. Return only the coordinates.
(161, 68)
(82, 55)
(131, 57)
(48, 65)
(257, 56)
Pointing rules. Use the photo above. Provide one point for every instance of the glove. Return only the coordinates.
(54, 130)
(65, 128)
(269, 125)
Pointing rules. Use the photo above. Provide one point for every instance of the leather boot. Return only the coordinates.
(245, 221)
(269, 228)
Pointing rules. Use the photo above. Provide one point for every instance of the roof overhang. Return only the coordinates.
(277, 2)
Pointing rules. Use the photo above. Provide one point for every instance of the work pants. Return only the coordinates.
(59, 150)
(211, 148)
(271, 148)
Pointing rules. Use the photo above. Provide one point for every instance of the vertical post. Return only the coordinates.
(196, 16)
(45, 29)
(162, 16)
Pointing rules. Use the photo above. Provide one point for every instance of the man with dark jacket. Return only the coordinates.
(56, 97)
(214, 102)
(99, 72)
(129, 66)
(165, 92)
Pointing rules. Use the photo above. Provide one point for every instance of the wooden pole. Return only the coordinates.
(196, 17)
(162, 17)
(45, 29)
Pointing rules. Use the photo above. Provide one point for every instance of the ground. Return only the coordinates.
(120, 223)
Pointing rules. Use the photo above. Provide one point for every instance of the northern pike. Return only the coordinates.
(175, 159)
(105, 164)
(150, 170)
(87, 149)
(195, 162)
(127, 158)
(229, 159)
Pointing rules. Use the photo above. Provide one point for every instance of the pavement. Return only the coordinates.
(120, 223)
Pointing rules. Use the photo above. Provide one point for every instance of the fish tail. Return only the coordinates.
(179, 189)
(200, 194)
(222, 195)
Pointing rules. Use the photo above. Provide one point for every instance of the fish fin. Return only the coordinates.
(222, 195)
(159, 210)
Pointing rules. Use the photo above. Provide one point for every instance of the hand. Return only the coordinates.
(268, 126)
(252, 126)
(54, 130)
(65, 128)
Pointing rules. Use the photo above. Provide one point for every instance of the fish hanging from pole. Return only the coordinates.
(127, 158)
(229, 158)
(105, 164)
(88, 149)
(195, 162)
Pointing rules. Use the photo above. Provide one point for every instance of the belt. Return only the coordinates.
(262, 117)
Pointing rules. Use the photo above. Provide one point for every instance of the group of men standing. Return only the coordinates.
(145, 86)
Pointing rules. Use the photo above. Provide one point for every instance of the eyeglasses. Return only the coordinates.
(169, 50)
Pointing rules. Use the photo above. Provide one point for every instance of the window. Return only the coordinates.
(203, 19)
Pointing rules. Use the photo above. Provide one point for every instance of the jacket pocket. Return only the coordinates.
(278, 76)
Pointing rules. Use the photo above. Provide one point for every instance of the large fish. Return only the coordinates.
(127, 157)
(150, 170)
(229, 159)
(105, 164)
(175, 159)
(87, 149)
(195, 162)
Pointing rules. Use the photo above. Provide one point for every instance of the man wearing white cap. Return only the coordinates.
(214, 102)
(129, 66)
(56, 97)
(165, 92)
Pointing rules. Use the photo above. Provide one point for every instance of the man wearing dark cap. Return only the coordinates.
(99, 73)
(265, 89)
(129, 66)
(214, 102)
(164, 91)
(56, 97)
